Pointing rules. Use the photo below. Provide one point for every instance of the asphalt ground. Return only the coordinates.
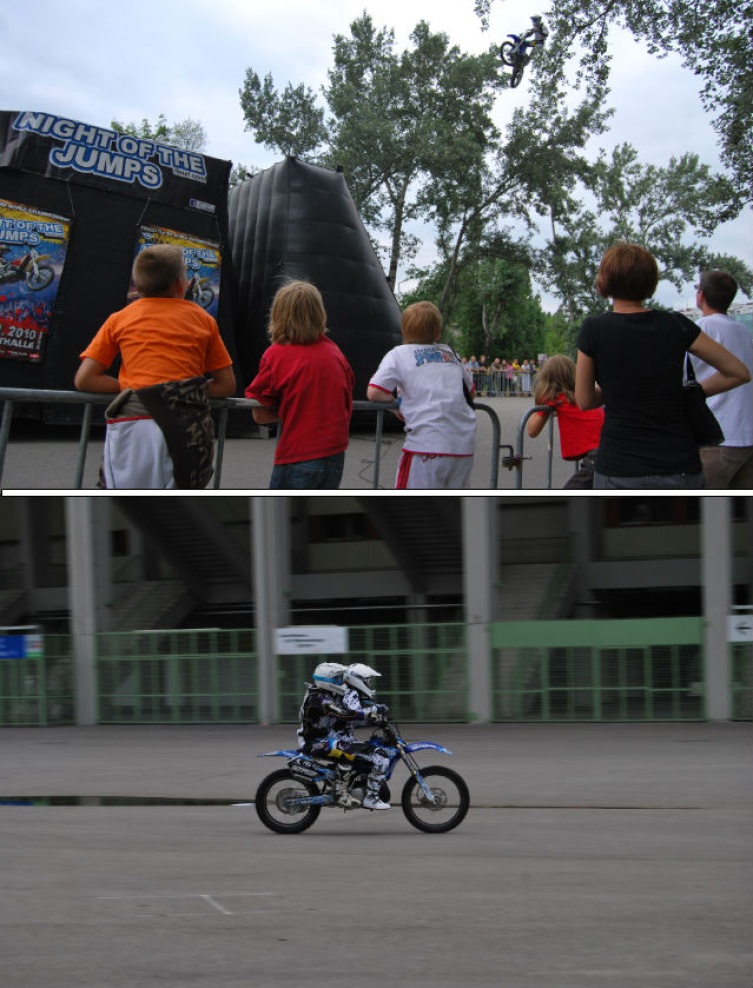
(592, 855)
(43, 456)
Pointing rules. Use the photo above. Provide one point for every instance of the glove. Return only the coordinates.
(378, 713)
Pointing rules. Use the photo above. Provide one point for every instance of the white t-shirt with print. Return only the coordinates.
(429, 382)
(733, 409)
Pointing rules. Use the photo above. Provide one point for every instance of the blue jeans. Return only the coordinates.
(672, 481)
(323, 474)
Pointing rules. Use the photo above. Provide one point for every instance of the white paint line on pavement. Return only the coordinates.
(213, 902)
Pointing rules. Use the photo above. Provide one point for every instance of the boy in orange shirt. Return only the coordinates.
(159, 428)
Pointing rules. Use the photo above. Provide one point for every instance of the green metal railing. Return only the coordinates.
(204, 676)
(38, 690)
(542, 671)
(423, 666)
(637, 670)
(741, 661)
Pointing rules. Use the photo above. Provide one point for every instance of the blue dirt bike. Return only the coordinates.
(516, 54)
(289, 801)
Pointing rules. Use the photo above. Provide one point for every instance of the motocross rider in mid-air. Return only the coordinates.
(340, 699)
(539, 32)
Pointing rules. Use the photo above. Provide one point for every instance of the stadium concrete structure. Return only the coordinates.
(85, 565)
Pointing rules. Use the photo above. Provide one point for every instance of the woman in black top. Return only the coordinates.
(631, 361)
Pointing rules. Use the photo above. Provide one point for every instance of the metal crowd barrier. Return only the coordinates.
(518, 457)
(13, 396)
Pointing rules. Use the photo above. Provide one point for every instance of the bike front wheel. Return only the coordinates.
(280, 803)
(447, 807)
(506, 52)
(42, 278)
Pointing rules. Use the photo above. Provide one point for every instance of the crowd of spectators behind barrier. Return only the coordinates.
(499, 378)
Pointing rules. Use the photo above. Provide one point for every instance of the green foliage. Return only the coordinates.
(407, 128)
(240, 173)
(289, 122)
(494, 310)
(414, 132)
(663, 208)
(187, 134)
(713, 38)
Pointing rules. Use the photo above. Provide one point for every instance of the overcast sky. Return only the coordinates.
(95, 61)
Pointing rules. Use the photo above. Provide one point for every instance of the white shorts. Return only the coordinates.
(136, 456)
(433, 471)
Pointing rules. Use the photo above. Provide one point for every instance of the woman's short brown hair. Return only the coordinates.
(156, 269)
(627, 271)
(297, 314)
(422, 323)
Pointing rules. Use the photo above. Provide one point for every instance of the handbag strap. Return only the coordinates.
(689, 374)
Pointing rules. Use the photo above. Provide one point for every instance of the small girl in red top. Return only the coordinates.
(579, 430)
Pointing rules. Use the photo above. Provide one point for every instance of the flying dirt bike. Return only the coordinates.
(27, 268)
(289, 801)
(516, 54)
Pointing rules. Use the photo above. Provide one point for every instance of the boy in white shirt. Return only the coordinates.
(435, 392)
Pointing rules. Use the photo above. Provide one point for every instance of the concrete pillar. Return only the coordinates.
(480, 577)
(270, 554)
(34, 541)
(585, 518)
(88, 558)
(716, 577)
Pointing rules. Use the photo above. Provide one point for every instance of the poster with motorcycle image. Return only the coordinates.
(33, 246)
(203, 264)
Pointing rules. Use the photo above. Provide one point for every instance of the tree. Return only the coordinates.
(663, 208)
(188, 134)
(290, 123)
(713, 38)
(494, 310)
(533, 172)
(402, 126)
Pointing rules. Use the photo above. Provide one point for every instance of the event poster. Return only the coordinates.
(203, 264)
(33, 246)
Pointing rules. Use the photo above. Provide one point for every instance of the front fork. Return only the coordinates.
(415, 771)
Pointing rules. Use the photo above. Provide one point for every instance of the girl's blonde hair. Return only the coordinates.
(556, 377)
(297, 314)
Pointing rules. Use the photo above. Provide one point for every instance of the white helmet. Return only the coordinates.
(362, 678)
(329, 676)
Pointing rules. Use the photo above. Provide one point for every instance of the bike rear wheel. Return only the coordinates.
(517, 75)
(450, 805)
(278, 803)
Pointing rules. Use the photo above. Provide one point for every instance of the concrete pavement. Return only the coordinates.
(603, 856)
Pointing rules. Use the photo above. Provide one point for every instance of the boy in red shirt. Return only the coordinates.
(579, 430)
(305, 382)
(159, 428)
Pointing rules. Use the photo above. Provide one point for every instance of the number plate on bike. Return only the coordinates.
(304, 768)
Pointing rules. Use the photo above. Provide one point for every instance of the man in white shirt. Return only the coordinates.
(729, 466)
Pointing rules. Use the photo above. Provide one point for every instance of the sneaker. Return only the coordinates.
(374, 803)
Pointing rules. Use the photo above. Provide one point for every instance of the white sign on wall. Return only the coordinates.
(318, 640)
(740, 628)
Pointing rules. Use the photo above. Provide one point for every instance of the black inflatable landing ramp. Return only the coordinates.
(296, 220)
